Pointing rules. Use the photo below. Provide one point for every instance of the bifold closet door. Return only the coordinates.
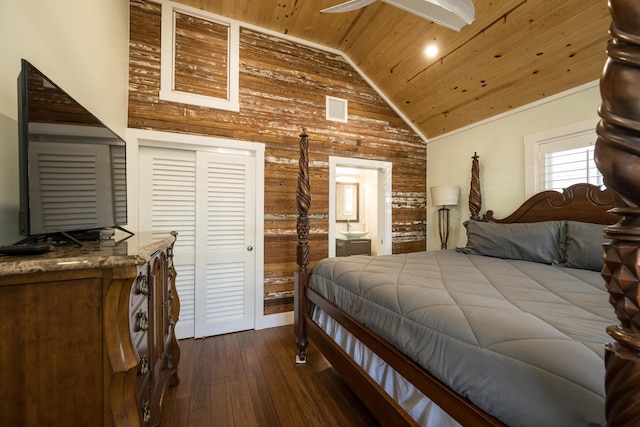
(167, 202)
(207, 198)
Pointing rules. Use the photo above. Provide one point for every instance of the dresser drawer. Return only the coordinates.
(139, 327)
(139, 320)
(139, 290)
(141, 344)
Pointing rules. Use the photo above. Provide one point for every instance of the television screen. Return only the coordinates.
(72, 167)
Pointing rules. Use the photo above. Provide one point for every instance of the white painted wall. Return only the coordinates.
(83, 46)
(499, 143)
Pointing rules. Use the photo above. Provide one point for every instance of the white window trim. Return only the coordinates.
(167, 60)
(532, 144)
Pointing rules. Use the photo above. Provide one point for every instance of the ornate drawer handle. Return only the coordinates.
(145, 366)
(169, 360)
(143, 321)
(143, 284)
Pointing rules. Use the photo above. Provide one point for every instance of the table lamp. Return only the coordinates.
(444, 195)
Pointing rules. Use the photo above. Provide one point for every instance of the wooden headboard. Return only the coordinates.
(580, 202)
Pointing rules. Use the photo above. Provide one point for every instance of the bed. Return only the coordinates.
(465, 367)
(483, 319)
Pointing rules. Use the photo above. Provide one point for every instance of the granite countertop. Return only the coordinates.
(111, 253)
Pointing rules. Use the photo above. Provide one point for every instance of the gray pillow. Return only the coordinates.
(584, 245)
(538, 241)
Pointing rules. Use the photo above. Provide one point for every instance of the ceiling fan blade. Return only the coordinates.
(453, 14)
(348, 6)
(463, 8)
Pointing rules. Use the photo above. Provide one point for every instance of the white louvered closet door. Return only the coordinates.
(224, 241)
(209, 199)
(167, 202)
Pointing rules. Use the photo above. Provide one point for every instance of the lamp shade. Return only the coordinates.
(445, 195)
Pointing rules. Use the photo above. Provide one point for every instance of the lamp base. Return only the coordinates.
(443, 226)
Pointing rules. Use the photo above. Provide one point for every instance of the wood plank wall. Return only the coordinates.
(200, 60)
(282, 91)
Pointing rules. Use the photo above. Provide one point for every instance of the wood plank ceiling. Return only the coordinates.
(514, 53)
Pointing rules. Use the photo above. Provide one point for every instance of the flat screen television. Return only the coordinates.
(72, 168)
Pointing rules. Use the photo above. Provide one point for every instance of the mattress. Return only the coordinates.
(523, 341)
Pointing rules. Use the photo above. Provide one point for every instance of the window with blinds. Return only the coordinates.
(559, 158)
(567, 167)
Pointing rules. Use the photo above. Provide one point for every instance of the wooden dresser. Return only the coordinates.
(86, 334)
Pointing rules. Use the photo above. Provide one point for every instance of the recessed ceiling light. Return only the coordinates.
(431, 51)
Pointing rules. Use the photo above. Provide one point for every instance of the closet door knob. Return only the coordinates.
(249, 248)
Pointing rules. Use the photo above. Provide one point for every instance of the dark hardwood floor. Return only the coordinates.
(251, 379)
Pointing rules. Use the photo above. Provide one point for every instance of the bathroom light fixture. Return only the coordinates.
(444, 195)
(453, 14)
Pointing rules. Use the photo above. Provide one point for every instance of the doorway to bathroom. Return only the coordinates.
(359, 205)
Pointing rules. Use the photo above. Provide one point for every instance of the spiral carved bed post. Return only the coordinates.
(618, 158)
(301, 277)
(475, 196)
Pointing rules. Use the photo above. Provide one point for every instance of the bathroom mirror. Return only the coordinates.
(347, 202)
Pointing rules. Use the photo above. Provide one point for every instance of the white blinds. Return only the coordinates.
(567, 158)
(558, 158)
(567, 167)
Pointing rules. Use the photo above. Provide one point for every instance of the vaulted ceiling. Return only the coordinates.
(514, 53)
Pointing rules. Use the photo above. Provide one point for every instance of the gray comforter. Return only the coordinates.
(523, 341)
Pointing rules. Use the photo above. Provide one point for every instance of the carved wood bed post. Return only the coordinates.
(301, 276)
(617, 155)
(475, 196)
